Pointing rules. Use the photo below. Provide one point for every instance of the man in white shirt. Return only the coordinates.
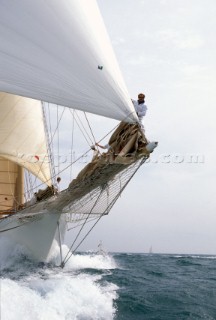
(140, 108)
(58, 185)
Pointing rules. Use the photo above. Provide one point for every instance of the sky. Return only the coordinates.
(166, 49)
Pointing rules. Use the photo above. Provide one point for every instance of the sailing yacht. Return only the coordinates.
(58, 56)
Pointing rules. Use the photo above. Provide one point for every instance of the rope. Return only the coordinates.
(41, 184)
(64, 262)
(85, 153)
(122, 188)
(51, 146)
(84, 127)
(58, 138)
(48, 144)
(90, 128)
(36, 177)
(57, 126)
(89, 220)
(65, 259)
(82, 130)
(72, 141)
(126, 175)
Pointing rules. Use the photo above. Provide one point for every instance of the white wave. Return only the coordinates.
(203, 257)
(91, 261)
(42, 293)
(195, 256)
(59, 298)
(9, 252)
(82, 261)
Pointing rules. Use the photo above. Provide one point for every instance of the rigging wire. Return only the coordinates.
(50, 142)
(78, 225)
(85, 153)
(57, 126)
(44, 118)
(70, 252)
(51, 146)
(58, 139)
(65, 259)
(82, 130)
(28, 186)
(72, 143)
(112, 202)
(90, 128)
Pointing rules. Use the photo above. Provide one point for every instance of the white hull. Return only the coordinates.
(36, 234)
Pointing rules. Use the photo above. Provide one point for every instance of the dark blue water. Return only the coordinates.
(165, 287)
(117, 286)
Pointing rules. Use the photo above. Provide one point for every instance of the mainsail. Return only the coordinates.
(60, 52)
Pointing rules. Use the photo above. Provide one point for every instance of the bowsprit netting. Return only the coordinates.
(104, 193)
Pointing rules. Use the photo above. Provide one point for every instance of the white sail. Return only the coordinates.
(62, 54)
(22, 135)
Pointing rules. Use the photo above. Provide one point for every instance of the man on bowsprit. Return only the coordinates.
(140, 108)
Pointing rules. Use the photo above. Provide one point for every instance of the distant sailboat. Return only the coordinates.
(59, 52)
(101, 250)
(150, 250)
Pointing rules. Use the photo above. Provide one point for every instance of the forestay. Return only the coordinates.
(59, 51)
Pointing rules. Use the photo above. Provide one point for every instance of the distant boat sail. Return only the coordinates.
(150, 250)
(59, 53)
(101, 250)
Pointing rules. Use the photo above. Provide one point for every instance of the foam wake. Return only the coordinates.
(40, 291)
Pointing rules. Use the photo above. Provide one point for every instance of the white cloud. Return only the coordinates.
(190, 42)
(180, 39)
(193, 70)
(118, 41)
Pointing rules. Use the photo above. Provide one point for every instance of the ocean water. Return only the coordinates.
(115, 286)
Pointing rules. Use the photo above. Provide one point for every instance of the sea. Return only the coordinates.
(119, 286)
